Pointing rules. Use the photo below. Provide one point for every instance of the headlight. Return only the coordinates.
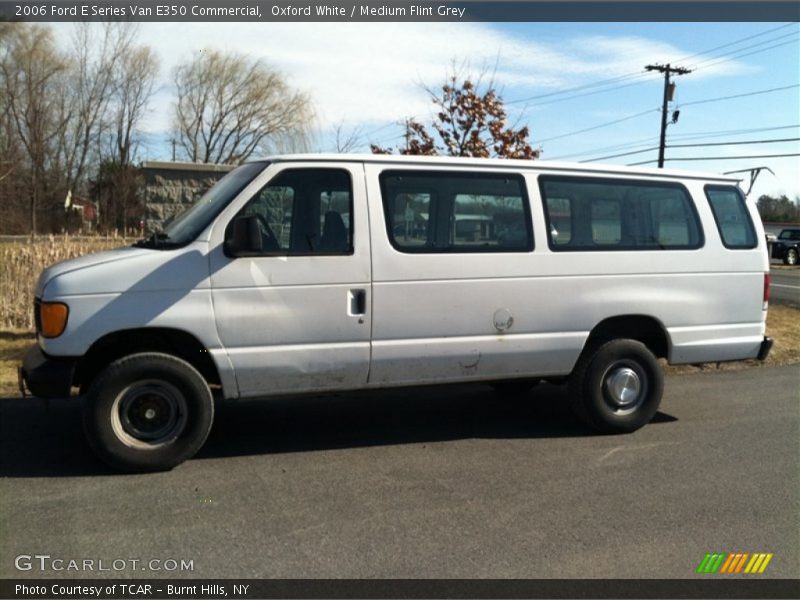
(53, 317)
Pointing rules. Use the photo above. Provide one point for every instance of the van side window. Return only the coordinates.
(305, 211)
(449, 211)
(733, 220)
(608, 214)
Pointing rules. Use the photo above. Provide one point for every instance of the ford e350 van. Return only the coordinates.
(304, 274)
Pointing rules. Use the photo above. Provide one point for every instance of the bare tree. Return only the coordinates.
(100, 59)
(229, 107)
(116, 183)
(134, 85)
(347, 141)
(33, 76)
(468, 122)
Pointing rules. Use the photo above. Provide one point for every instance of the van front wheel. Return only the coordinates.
(148, 412)
(617, 387)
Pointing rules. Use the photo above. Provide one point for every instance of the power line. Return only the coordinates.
(756, 93)
(739, 41)
(644, 162)
(618, 155)
(737, 157)
(615, 147)
(699, 135)
(694, 158)
(731, 53)
(610, 89)
(728, 132)
(628, 118)
(784, 140)
(734, 57)
(691, 146)
(579, 87)
(640, 74)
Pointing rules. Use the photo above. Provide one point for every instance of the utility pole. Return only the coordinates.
(669, 87)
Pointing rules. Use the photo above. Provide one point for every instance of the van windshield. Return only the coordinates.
(188, 224)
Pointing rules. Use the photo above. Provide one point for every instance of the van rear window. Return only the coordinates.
(733, 220)
(607, 214)
(451, 211)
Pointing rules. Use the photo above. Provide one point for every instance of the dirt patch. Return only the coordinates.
(13, 344)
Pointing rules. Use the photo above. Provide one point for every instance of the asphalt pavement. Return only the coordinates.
(425, 482)
(785, 285)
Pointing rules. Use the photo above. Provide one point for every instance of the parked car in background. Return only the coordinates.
(787, 246)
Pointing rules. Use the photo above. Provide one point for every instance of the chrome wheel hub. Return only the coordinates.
(623, 387)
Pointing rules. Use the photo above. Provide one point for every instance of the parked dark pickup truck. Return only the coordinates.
(787, 246)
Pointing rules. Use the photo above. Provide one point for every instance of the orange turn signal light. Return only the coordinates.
(54, 318)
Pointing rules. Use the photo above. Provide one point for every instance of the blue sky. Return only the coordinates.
(367, 76)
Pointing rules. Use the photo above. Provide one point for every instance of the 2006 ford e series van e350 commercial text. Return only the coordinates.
(320, 273)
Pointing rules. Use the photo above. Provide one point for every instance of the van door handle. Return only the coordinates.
(358, 302)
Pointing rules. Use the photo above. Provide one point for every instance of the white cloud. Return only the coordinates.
(370, 74)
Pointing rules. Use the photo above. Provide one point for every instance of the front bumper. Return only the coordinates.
(47, 376)
(766, 346)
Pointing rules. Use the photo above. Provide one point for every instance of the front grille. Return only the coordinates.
(37, 314)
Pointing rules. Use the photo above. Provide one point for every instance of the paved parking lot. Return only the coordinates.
(785, 287)
(433, 482)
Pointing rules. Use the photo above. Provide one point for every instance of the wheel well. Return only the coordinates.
(642, 328)
(133, 341)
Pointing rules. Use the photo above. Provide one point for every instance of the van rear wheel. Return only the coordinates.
(148, 412)
(616, 387)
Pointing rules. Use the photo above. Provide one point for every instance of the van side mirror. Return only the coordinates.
(244, 236)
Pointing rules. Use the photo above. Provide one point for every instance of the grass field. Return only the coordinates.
(22, 262)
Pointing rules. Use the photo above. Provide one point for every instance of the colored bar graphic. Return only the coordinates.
(765, 563)
(742, 561)
(734, 562)
(718, 562)
(703, 563)
(727, 564)
(752, 562)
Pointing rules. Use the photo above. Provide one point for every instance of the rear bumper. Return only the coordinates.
(766, 346)
(47, 376)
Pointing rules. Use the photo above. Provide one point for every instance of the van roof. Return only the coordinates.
(536, 165)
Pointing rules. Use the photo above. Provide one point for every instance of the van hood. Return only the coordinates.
(116, 270)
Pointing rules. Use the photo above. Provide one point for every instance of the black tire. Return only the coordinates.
(790, 258)
(514, 388)
(616, 387)
(148, 412)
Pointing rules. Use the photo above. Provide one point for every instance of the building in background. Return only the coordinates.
(170, 187)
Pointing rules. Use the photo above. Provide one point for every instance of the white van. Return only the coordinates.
(305, 274)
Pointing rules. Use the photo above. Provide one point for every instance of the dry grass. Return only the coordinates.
(22, 262)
